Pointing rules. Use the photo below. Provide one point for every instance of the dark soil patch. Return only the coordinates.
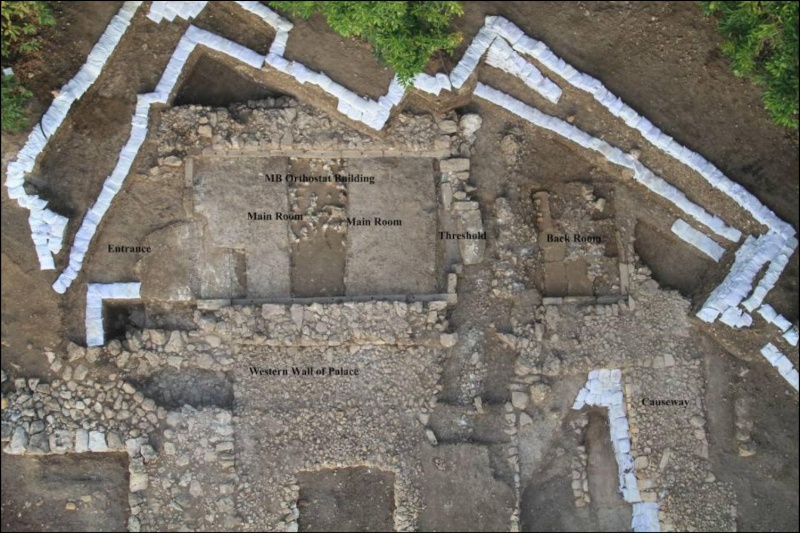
(766, 483)
(37, 491)
(201, 86)
(346, 61)
(120, 316)
(238, 25)
(195, 387)
(674, 264)
(346, 499)
(65, 45)
(612, 512)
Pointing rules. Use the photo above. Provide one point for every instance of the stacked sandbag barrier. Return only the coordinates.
(47, 227)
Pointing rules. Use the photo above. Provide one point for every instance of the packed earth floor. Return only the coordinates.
(290, 318)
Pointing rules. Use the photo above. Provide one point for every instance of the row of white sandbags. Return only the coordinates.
(698, 239)
(139, 122)
(47, 230)
(751, 256)
(604, 388)
(539, 51)
(72, 91)
(782, 363)
(191, 38)
(771, 316)
(47, 227)
(642, 174)
(645, 517)
(773, 273)
(769, 249)
(111, 187)
(469, 61)
(372, 113)
(502, 56)
(267, 15)
(169, 10)
(95, 294)
(226, 46)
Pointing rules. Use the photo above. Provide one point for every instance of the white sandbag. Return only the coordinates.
(736, 318)
(170, 10)
(645, 517)
(502, 56)
(278, 62)
(266, 14)
(426, 83)
(784, 366)
(279, 43)
(700, 241)
(767, 313)
(791, 336)
(463, 70)
(782, 323)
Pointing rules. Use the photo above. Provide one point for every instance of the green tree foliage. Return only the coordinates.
(21, 22)
(762, 44)
(14, 98)
(403, 35)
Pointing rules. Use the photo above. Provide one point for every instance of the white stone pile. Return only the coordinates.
(698, 239)
(169, 10)
(47, 227)
(604, 388)
(502, 56)
(642, 174)
(95, 294)
(772, 354)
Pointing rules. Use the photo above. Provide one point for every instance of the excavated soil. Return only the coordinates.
(662, 58)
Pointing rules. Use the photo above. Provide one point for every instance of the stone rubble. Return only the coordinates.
(185, 462)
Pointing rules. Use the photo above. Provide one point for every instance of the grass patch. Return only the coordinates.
(21, 22)
(403, 35)
(762, 45)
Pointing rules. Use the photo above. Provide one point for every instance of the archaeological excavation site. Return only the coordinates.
(254, 279)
